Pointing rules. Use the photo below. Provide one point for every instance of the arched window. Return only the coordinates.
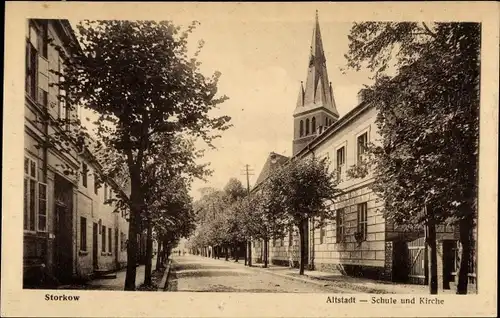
(313, 124)
(326, 121)
(307, 126)
(301, 128)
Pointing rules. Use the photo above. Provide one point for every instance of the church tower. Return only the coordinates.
(315, 108)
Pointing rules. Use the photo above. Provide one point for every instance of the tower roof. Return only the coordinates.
(317, 92)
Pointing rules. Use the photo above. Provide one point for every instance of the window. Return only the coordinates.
(84, 174)
(96, 184)
(362, 220)
(63, 106)
(36, 77)
(122, 241)
(35, 199)
(362, 144)
(31, 63)
(313, 124)
(83, 234)
(340, 225)
(322, 231)
(340, 161)
(103, 238)
(110, 249)
(307, 126)
(301, 131)
(326, 121)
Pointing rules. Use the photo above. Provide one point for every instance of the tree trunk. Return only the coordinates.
(227, 253)
(236, 253)
(132, 246)
(266, 248)
(245, 249)
(249, 253)
(158, 256)
(431, 242)
(465, 228)
(149, 254)
(302, 248)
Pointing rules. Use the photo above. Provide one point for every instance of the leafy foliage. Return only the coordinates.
(148, 95)
(302, 189)
(427, 116)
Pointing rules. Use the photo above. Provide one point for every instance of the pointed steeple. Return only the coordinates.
(317, 92)
(300, 99)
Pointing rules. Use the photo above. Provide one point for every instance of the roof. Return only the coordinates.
(273, 161)
(318, 91)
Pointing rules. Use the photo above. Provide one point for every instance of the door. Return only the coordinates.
(117, 260)
(417, 261)
(448, 262)
(63, 244)
(95, 246)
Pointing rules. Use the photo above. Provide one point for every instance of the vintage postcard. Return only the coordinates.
(224, 159)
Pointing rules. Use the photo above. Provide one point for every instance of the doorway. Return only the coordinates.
(63, 244)
(63, 229)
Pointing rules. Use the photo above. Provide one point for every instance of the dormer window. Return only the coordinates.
(307, 126)
(301, 132)
(313, 123)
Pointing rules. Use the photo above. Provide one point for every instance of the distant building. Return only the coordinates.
(69, 233)
(359, 241)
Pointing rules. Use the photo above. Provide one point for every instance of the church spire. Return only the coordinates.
(317, 91)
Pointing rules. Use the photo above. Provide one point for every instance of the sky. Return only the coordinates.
(262, 64)
(263, 58)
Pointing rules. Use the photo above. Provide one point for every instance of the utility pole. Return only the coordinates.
(248, 172)
(248, 244)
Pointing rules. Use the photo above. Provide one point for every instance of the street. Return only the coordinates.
(196, 274)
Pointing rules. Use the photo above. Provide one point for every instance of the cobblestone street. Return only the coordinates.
(198, 274)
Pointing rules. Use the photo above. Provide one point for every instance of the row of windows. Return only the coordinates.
(312, 125)
(37, 68)
(108, 191)
(362, 143)
(362, 228)
(106, 238)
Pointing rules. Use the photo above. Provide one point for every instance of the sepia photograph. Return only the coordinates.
(274, 154)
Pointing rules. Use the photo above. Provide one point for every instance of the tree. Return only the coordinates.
(425, 168)
(302, 189)
(138, 78)
(168, 175)
(261, 220)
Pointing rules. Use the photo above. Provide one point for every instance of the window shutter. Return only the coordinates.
(42, 207)
(43, 80)
(33, 35)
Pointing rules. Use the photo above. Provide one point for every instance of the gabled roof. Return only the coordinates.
(273, 161)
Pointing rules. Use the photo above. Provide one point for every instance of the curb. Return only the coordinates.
(164, 280)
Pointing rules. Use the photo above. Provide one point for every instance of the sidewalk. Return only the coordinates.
(117, 283)
(348, 283)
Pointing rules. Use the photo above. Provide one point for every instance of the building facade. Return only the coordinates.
(61, 205)
(358, 241)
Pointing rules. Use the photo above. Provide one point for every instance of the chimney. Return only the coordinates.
(362, 95)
